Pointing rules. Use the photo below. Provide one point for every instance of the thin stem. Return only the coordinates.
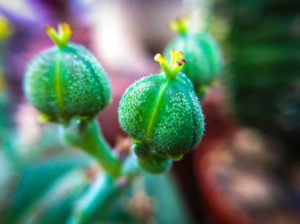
(131, 168)
(87, 136)
(97, 201)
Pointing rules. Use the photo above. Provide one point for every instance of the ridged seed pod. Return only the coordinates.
(162, 115)
(66, 81)
(202, 53)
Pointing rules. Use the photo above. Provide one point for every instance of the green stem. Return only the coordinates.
(131, 168)
(87, 136)
(99, 198)
(96, 202)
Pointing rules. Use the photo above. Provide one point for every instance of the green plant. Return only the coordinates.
(201, 52)
(161, 113)
(66, 81)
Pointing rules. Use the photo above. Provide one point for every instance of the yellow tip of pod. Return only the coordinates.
(159, 58)
(62, 36)
(180, 25)
(5, 28)
(174, 67)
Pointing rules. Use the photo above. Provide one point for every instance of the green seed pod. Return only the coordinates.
(162, 115)
(66, 81)
(202, 54)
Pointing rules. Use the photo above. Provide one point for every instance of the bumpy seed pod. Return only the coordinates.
(201, 52)
(66, 81)
(162, 115)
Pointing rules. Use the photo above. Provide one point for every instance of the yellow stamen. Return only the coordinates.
(5, 28)
(65, 31)
(60, 38)
(174, 67)
(175, 57)
(159, 58)
(180, 25)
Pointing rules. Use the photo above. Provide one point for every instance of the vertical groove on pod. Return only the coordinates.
(94, 75)
(58, 83)
(195, 127)
(155, 109)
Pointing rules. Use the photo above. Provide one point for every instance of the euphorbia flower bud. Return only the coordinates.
(201, 52)
(162, 115)
(66, 81)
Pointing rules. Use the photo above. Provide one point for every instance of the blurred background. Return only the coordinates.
(246, 169)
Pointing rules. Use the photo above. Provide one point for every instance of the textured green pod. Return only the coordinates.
(162, 115)
(202, 54)
(67, 81)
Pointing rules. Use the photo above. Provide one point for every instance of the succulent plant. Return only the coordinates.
(202, 53)
(66, 81)
(162, 115)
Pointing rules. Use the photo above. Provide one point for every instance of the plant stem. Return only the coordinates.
(97, 201)
(131, 168)
(87, 136)
(95, 204)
